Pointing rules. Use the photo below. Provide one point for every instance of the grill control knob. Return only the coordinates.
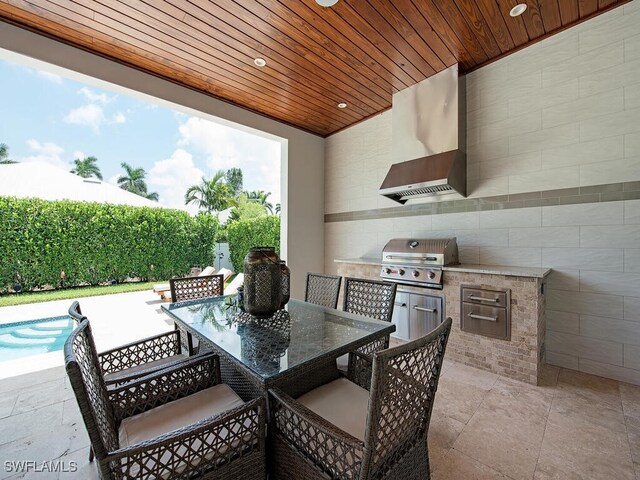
(400, 271)
(387, 271)
(415, 273)
(431, 275)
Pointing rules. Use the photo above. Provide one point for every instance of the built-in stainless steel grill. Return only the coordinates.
(418, 261)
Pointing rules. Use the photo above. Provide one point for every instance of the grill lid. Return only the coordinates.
(412, 251)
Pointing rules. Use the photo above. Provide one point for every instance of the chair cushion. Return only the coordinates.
(152, 366)
(207, 271)
(161, 287)
(343, 362)
(177, 414)
(341, 402)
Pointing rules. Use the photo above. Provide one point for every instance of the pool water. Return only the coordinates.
(34, 337)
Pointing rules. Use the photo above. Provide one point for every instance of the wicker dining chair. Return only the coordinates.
(323, 290)
(191, 288)
(373, 299)
(180, 422)
(371, 426)
(123, 364)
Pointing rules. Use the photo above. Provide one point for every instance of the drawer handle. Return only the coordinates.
(482, 299)
(482, 317)
(422, 309)
(398, 304)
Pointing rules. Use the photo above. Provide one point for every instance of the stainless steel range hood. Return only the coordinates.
(429, 139)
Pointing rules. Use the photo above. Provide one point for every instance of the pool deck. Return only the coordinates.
(115, 319)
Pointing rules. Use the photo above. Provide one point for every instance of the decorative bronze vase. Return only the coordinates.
(262, 282)
(285, 273)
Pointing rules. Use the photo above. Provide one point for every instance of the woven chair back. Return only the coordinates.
(403, 387)
(83, 369)
(323, 290)
(371, 298)
(191, 288)
(76, 313)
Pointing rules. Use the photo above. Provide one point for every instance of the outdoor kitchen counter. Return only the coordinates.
(522, 356)
(469, 268)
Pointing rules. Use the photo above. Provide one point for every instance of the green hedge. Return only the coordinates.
(244, 234)
(95, 243)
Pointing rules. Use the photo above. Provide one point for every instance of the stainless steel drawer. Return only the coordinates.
(400, 316)
(481, 296)
(488, 321)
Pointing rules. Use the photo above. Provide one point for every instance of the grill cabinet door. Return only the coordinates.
(425, 314)
(400, 316)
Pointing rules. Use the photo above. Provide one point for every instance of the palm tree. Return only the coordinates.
(260, 197)
(87, 167)
(213, 195)
(134, 181)
(233, 178)
(4, 155)
(278, 208)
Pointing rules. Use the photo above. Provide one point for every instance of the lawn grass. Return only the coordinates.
(71, 293)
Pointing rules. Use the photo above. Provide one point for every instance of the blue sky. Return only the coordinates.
(47, 117)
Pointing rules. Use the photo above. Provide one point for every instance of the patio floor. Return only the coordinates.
(574, 426)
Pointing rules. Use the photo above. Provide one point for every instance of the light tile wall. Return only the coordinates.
(562, 113)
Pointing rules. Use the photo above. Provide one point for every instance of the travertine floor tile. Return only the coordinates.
(630, 396)
(457, 400)
(84, 469)
(25, 425)
(470, 376)
(71, 411)
(514, 423)
(43, 448)
(7, 402)
(601, 389)
(549, 376)
(41, 395)
(458, 466)
(575, 447)
(443, 432)
(30, 379)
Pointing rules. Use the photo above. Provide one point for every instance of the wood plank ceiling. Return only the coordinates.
(358, 51)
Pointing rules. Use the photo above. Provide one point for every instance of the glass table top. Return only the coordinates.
(300, 333)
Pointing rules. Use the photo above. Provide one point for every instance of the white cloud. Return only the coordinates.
(172, 177)
(119, 118)
(88, 115)
(48, 152)
(52, 77)
(94, 97)
(225, 147)
(78, 154)
(113, 180)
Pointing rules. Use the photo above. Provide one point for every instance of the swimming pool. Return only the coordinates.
(34, 337)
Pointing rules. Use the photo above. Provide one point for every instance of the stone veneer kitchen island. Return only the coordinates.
(521, 357)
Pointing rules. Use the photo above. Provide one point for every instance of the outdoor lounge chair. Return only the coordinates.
(180, 422)
(372, 425)
(236, 283)
(134, 360)
(162, 288)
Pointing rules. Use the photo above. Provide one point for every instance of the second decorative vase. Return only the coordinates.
(262, 282)
(285, 282)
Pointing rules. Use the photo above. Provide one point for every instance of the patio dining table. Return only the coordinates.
(294, 350)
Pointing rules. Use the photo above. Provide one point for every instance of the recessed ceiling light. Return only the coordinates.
(260, 62)
(342, 105)
(518, 9)
(326, 3)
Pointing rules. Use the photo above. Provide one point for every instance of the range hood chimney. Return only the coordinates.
(429, 139)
